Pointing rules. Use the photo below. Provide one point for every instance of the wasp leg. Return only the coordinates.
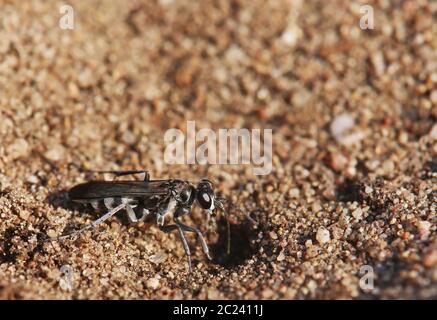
(172, 227)
(132, 216)
(94, 224)
(199, 235)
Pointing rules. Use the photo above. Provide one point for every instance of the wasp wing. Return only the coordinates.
(106, 189)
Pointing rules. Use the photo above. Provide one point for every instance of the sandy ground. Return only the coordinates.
(353, 114)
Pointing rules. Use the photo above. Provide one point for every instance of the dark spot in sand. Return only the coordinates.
(7, 253)
(349, 190)
(242, 236)
(432, 165)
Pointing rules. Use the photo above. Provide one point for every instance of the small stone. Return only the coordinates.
(104, 282)
(430, 259)
(388, 166)
(291, 35)
(20, 148)
(51, 233)
(433, 96)
(24, 214)
(158, 258)
(368, 190)
(352, 138)
(267, 293)
(73, 90)
(316, 207)
(55, 153)
(294, 193)
(85, 78)
(301, 98)
(273, 235)
(423, 227)
(378, 63)
(403, 137)
(128, 137)
(341, 124)
(152, 283)
(433, 132)
(338, 161)
(312, 286)
(32, 179)
(186, 73)
(357, 213)
(281, 256)
(235, 54)
(323, 235)
(213, 294)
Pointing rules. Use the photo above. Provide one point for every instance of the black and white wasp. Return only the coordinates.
(160, 200)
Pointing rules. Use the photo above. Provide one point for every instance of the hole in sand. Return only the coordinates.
(349, 190)
(241, 244)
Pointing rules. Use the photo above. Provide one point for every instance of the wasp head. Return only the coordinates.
(206, 198)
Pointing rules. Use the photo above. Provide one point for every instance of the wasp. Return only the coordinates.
(163, 201)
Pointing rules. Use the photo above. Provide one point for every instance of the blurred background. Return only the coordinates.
(353, 114)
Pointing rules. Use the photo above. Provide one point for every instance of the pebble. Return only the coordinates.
(338, 161)
(430, 259)
(351, 139)
(433, 132)
(24, 214)
(323, 235)
(281, 256)
(357, 213)
(424, 229)
(294, 193)
(52, 233)
(341, 128)
(234, 54)
(32, 179)
(213, 294)
(341, 124)
(158, 258)
(153, 283)
(128, 137)
(433, 97)
(368, 190)
(378, 63)
(55, 153)
(267, 293)
(291, 35)
(273, 235)
(20, 148)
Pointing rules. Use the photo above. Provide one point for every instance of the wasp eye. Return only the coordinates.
(205, 200)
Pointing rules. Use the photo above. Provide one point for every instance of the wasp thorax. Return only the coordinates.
(187, 196)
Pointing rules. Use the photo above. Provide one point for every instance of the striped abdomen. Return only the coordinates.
(107, 204)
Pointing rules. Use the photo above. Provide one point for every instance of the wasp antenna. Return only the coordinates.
(221, 203)
(228, 251)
